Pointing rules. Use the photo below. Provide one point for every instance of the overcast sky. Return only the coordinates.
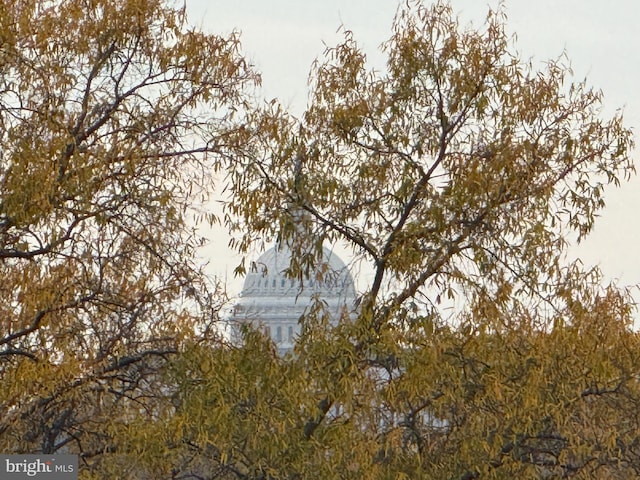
(601, 38)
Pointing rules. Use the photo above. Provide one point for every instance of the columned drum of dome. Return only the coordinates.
(274, 302)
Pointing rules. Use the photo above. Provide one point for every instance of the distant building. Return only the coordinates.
(274, 302)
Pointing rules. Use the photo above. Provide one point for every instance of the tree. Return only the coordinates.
(460, 173)
(112, 116)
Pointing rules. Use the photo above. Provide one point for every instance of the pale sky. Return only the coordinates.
(601, 39)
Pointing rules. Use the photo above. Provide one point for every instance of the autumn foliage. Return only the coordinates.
(457, 176)
(110, 116)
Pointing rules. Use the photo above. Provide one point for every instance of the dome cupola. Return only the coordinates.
(275, 302)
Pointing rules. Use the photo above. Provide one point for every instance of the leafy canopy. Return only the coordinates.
(112, 116)
(458, 174)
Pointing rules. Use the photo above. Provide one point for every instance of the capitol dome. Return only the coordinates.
(275, 302)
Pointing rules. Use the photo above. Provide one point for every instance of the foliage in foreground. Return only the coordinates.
(111, 115)
(457, 175)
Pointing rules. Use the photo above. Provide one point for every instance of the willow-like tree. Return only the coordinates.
(457, 175)
(111, 117)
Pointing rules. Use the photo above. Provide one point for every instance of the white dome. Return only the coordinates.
(275, 302)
